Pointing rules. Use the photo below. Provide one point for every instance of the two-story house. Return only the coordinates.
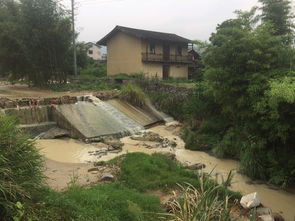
(94, 51)
(155, 54)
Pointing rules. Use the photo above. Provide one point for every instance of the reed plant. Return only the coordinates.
(20, 167)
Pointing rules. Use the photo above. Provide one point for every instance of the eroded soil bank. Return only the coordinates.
(67, 162)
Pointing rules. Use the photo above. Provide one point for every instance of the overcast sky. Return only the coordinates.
(193, 19)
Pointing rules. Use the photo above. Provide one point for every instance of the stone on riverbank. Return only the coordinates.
(250, 201)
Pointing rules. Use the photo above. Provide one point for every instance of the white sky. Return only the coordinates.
(193, 19)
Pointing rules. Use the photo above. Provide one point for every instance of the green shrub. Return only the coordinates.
(20, 167)
(133, 94)
(95, 69)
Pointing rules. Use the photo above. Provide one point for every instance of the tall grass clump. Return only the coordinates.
(20, 167)
(133, 94)
(202, 204)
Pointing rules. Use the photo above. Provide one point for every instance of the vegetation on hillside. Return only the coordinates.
(244, 105)
(133, 94)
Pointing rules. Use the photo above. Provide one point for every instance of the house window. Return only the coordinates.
(152, 48)
(179, 50)
(90, 51)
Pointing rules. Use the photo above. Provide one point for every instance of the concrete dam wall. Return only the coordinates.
(87, 118)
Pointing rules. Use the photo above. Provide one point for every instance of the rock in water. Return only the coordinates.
(250, 201)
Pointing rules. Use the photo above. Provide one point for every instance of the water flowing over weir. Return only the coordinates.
(85, 118)
(95, 119)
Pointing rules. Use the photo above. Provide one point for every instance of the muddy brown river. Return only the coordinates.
(73, 151)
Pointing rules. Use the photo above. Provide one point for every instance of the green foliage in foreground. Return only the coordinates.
(109, 202)
(133, 94)
(20, 167)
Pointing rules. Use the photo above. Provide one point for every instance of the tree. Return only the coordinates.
(35, 41)
(243, 60)
(278, 13)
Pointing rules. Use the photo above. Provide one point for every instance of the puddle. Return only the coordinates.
(73, 151)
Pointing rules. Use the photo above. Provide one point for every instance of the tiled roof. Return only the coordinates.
(144, 34)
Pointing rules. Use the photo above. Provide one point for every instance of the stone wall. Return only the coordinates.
(158, 87)
(30, 102)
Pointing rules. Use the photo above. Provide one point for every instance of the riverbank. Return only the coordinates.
(68, 151)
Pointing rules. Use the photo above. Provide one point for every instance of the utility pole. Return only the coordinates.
(74, 38)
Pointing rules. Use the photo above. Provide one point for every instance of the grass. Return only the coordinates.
(133, 94)
(203, 204)
(126, 200)
(142, 172)
(161, 172)
(108, 202)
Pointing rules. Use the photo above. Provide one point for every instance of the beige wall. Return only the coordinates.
(152, 70)
(96, 53)
(179, 71)
(124, 56)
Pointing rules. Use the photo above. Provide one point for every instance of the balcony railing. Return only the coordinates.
(149, 57)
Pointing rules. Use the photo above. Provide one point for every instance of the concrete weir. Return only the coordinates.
(87, 118)
(90, 120)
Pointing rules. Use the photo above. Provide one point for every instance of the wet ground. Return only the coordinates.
(17, 91)
(67, 155)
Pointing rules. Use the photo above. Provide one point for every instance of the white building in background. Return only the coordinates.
(94, 51)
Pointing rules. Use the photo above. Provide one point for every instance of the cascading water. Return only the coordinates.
(132, 126)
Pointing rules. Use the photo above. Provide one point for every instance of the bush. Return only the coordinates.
(20, 167)
(133, 94)
(95, 70)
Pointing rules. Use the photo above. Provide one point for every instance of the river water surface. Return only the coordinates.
(73, 151)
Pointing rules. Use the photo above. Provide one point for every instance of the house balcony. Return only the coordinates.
(160, 58)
